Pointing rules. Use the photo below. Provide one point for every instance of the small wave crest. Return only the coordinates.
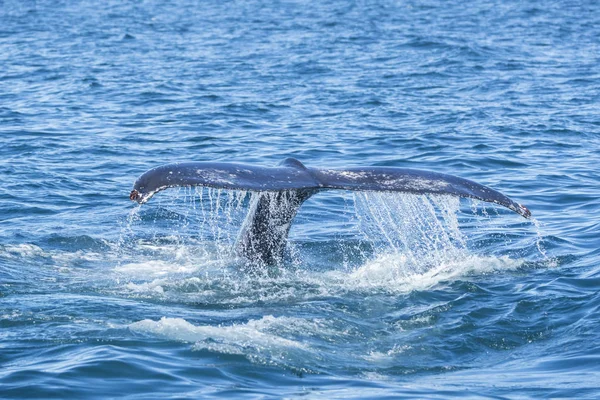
(392, 271)
(268, 340)
(23, 250)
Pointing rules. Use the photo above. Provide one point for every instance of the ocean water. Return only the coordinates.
(383, 295)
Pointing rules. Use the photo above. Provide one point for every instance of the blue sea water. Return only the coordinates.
(384, 295)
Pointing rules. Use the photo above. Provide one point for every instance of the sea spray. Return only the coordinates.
(413, 232)
(183, 246)
(185, 232)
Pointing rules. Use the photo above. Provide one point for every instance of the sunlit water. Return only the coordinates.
(380, 294)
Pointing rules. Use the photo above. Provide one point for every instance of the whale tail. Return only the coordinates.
(264, 233)
(283, 189)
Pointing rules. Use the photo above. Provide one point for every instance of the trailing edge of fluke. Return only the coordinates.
(285, 187)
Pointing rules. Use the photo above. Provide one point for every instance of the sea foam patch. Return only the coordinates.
(395, 271)
(24, 250)
(263, 340)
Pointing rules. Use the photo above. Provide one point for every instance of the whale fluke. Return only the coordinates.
(283, 189)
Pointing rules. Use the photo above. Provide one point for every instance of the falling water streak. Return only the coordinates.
(252, 205)
(424, 230)
(203, 210)
(539, 238)
(217, 210)
(126, 232)
(444, 224)
(213, 227)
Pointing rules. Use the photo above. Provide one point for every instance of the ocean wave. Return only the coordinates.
(262, 340)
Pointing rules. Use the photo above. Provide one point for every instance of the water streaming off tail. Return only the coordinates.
(198, 226)
(409, 234)
(422, 228)
(184, 230)
(370, 236)
(181, 247)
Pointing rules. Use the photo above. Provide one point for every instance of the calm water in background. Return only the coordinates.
(99, 298)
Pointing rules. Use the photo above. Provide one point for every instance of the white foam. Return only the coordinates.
(156, 287)
(63, 258)
(392, 273)
(395, 272)
(23, 250)
(260, 340)
(155, 268)
(384, 356)
(79, 255)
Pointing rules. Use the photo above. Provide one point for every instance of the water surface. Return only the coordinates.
(396, 296)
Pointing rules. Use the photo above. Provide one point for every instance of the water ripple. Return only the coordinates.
(154, 302)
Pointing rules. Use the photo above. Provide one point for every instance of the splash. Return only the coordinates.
(183, 248)
(539, 241)
(186, 225)
(394, 273)
(411, 233)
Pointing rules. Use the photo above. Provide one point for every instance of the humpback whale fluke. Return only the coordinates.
(283, 189)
